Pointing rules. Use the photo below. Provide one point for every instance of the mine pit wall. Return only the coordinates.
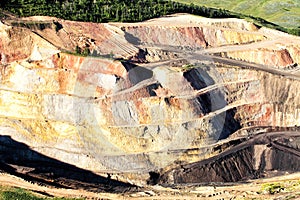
(47, 93)
(193, 37)
(280, 58)
(198, 37)
(268, 99)
(18, 43)
(73, 116)
(295, 53)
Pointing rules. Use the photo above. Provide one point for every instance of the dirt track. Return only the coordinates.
(251, 189)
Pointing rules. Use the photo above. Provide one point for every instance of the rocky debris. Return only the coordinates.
(151, 54)
(255, 159)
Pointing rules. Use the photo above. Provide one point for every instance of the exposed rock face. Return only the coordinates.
(166, 103)
(280, 58)
(192, 37)
(18, 43)
(295, 53)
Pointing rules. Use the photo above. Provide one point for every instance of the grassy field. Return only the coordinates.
(285, 13)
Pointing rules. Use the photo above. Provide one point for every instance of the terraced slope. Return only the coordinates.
(180, 97)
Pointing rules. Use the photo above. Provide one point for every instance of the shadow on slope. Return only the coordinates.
(18, 159)
(212, 101)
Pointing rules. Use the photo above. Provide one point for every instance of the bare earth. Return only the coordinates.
(248, 190)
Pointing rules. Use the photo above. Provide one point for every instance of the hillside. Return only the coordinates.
(284, 13)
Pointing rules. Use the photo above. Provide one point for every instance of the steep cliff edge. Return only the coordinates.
(177, 94)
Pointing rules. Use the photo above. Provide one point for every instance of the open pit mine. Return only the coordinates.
(170, 102)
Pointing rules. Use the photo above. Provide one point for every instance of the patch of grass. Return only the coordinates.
(8, 193)
(293, 186)
(272, 188)
(188, 67)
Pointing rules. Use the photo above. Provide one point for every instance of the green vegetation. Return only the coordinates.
(139, 10)
(86, 52)
(83, 52)
(106, 10)
(19, 194)
(292, 187)
(285, 13)
(272, 188)
(188, 67)
(7, 193)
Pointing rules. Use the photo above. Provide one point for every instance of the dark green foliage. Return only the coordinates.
(293, 31)
(120, 10)
(105, 10)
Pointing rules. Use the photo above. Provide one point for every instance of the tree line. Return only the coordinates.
(106, 10)
(120, 10)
